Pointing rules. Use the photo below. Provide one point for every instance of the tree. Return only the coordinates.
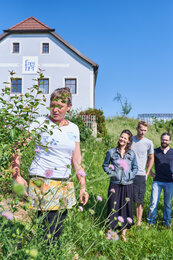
(125, 106)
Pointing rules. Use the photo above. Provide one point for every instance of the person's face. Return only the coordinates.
(58, 110)
(124, 139)
(165, 141)
(141, 131)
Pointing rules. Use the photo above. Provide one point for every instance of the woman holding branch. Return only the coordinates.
(120, 164)
(50, 189)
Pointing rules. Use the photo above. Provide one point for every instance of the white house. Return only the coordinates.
(30, 45)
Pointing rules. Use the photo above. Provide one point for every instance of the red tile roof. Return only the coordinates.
(30, 23)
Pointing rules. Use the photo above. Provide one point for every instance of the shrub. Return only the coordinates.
(85, 132)
(161, 124)
(100, 120)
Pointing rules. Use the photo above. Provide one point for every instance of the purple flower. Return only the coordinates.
(7, 214)
(123, 164)
(37, 150)
(48, 173)
(108, 236)
(129, 220)
(111, 167)
(81, 173)
(112, 235)
(81, 208)
(99, 198)
(120, 219)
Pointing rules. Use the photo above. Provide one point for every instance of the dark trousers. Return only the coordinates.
(52, 223)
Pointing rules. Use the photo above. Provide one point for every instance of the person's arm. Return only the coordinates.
(134, 168)
(152, 174)
(106, 164)
(149, 164)
(15, 165)
(76, 160)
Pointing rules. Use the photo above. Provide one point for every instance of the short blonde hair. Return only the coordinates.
(62, 93)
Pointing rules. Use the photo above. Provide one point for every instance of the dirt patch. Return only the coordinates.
(20, 214)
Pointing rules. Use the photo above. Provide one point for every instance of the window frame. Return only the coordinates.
(17, 78)
(46, 78)
(13, 43)
(76, 85)
(42, 48)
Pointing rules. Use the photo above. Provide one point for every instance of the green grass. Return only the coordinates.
(84, 235)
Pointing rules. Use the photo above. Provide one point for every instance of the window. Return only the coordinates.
(15, 47)
(16, 86)
(44, 85)
(72, 85)
(45, 48)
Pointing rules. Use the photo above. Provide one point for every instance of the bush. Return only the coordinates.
(85, 132)
(161, 124)
(100, 120)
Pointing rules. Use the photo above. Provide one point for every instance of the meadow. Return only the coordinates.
(84, 234)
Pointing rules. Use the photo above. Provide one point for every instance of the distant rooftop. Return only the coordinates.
(149, 118)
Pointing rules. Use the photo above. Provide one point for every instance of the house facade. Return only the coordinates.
(30, 45)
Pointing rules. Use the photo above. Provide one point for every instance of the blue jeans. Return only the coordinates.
(155, 196)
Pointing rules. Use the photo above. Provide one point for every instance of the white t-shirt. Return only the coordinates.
(54, 159)
(142, 148)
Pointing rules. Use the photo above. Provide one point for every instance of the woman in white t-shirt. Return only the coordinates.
(50, 188)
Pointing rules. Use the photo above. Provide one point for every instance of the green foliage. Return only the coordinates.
(125, 106)
(17, 112)
(85, 132)
(100, 120)
(161, 125)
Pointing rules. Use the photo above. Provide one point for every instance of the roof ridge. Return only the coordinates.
(29, 18)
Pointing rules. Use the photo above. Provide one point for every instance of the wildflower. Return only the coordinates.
(108, 236)
(81, 208)
(37, 150)
(33, 252)
(129, 220)
(121, 219)
(112, 190)
(111, 167)
(91, 211)
(81, 173)
(49, 236)
(49, 173)
(99, 198)
(112, 235)
(68, 166)
(127, 199)
(123, 164)
(7, 214)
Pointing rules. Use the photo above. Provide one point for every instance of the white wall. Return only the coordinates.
(59, 64)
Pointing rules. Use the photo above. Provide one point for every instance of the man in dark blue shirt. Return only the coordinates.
(163, 179)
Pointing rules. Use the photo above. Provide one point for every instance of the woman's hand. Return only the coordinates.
(20, 180)
(83, 196)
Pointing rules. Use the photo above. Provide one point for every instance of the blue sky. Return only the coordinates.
(131, 40)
